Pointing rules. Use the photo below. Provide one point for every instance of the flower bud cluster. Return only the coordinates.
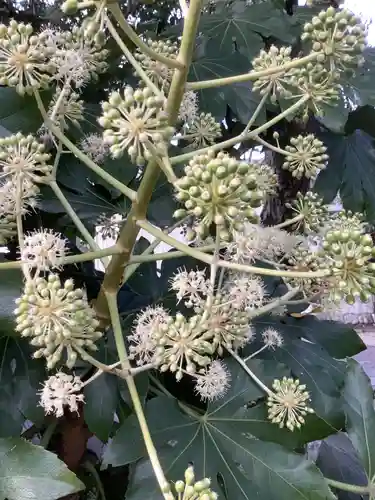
(289, 403)
(23, 158)
(218, 190)
(158, 72)
(202, 131)
(305, 259)
(137, 123)
(314, 211)
(190, 489)
(56, 317)
(276, 84)
(70, 108)
(347, 255)
(306, 156)
(346, 220)
(61, 391)
(339, 37)
(25, 62)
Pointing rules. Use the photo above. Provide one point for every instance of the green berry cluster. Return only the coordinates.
(202, 131)
(346, 220)
(315, 213)
(339, 37)
(218, 190)
(267, 179)
(25, 62)
(306, 156)
(137, 123)
(347, 255)
(190, 489)
(276, 84)
(158, 72)
(56, 317)
(302, 258)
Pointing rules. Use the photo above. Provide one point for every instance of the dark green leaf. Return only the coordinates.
(360, 415)
(248, 467)
(351, 170)
(30, 472)
(142, 384)
(18, 114)
(338, 460)
(360, 89)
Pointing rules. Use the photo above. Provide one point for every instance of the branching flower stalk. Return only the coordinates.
(218, 194)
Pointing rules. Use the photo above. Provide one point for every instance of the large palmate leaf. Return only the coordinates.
(30, 472)
(350, 171)
(360, 89)
(18, 114)
(221, 446)
(360, 416)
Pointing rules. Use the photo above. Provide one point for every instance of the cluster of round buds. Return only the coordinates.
(289, 403)
(190, 489)
(158, 72)
(314, 213)
(43, 249)
(320, 85)
(70, 108)
(24, 62)
(226, 326)
(218, 190)
(267, 179)
(274, 85)
(346, 220)
(78, 58)
(338, 37)
(202, 131)
(22, 158)
(61, 391)
(136, 123)
(56, 317)
(305, 157)
(304, 259)
(181, 346)
(347, 255)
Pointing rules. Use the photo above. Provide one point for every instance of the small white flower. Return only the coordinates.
(109, 226)
(61, 391)
(272, 338)
(95, 147)
(9, 194)
(44, 249)
(213, 381)
(190, 286)
(246, 292)
(189, 107)
(142, 344)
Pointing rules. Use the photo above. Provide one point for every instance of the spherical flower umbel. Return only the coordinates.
(109, 226)
(218, 190)
(23, 158)
(202, 131)
(267, 179)
(191, 286)
(56, 317)
(346, 220)
(306, 156)
(158, 72)
(272, 338)
(313, 212)
(43, 249)
(95, 147)
(190, 489)
(338, 36)
(289, 403)
(245, 292)
(212, 382)
(275, 84)
(347, 255)
(137, 123)
(61, 391)
(24, 61)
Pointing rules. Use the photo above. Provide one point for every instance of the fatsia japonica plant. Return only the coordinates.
(213, 389)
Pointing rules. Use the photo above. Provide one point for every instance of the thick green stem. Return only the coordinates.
(243, 136)
(163, 255)
(129, 193)
(253, 75)
(125, 364)
(266, 144)
(208, 259)
(252, 375)
(132, 59)
(289, 222)
(365, 490)
(131, 34)
(114, 274)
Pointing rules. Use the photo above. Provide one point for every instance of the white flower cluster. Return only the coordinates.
(61, 391)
